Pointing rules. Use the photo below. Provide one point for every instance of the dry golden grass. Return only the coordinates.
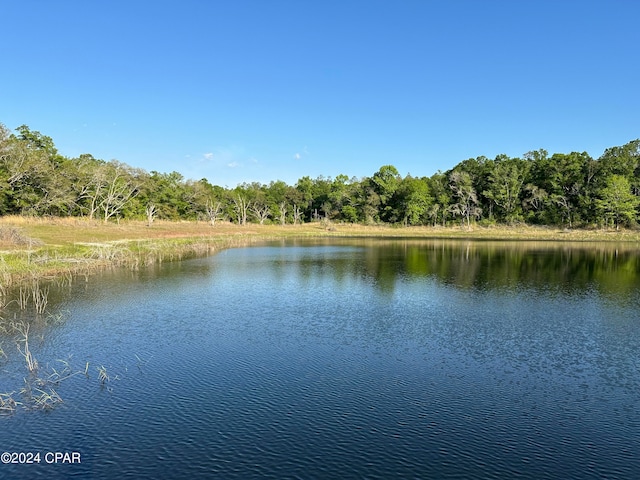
(68, 231)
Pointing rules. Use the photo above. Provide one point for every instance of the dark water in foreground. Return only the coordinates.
(361, 359)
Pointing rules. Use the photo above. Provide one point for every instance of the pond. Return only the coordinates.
(352, 358)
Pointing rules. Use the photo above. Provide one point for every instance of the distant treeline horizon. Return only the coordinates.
(564, 189)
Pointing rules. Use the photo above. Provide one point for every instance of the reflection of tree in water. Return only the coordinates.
(521, 311)
(610, 269)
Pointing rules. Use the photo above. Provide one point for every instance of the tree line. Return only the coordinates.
(574, 190)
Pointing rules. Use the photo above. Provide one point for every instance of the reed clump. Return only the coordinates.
(40, 296)
(103, 376)
(24, 295)
(39, 388)
(37, 398)
(8, 404)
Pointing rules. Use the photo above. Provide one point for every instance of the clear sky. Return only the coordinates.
(240, 90)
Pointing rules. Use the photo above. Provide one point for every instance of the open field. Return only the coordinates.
(33, 248)
(65, 231)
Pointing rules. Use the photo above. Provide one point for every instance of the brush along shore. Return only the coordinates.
(32, 249)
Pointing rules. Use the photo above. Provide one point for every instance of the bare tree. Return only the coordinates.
(261, 212)
(92, 190)
(32, 176)
(151, 211)
(565, 203)
(214, 209)
(433, 212)
(16, 162)
(467, 205)
(241, 205)
(297, 214)
(283, 213)
(120, 189)
(536, 198)
(93, 182)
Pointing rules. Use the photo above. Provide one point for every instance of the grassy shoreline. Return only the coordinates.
(34, 249)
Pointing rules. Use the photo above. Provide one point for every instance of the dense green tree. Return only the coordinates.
(413, 199)
(168, 192)
(385, 183)
(439, 211)
(337, 197)
(33, 177)
(506, 181)
(563, 177)
(369, 202)
(623, 160)
(305, 195)
(321, 206)
(616, 203)
(34, 140)
(534, 203)
(276, 198)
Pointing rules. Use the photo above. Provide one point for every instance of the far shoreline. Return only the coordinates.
(38, 249)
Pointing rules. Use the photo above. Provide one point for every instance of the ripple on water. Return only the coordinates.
(318, 370)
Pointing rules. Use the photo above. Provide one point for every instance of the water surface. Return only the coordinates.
(345, 359)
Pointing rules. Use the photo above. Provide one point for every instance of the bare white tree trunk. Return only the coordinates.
(242, 206)
(297, 214)
(213, 211)
(120, 190)
(151, 211)
(261, 212)
(283, 213)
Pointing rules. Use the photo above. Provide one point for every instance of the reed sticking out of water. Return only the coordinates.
(141, 362)
(67, 372)
(23, 297)
(103, 377)
(32, 363)
(39, 390)
(7, 404)
(46, 400)
(40, 297)
(55, 318)
(37, 398)
(26, 294)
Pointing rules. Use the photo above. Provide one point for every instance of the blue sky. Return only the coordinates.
(263, 90)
